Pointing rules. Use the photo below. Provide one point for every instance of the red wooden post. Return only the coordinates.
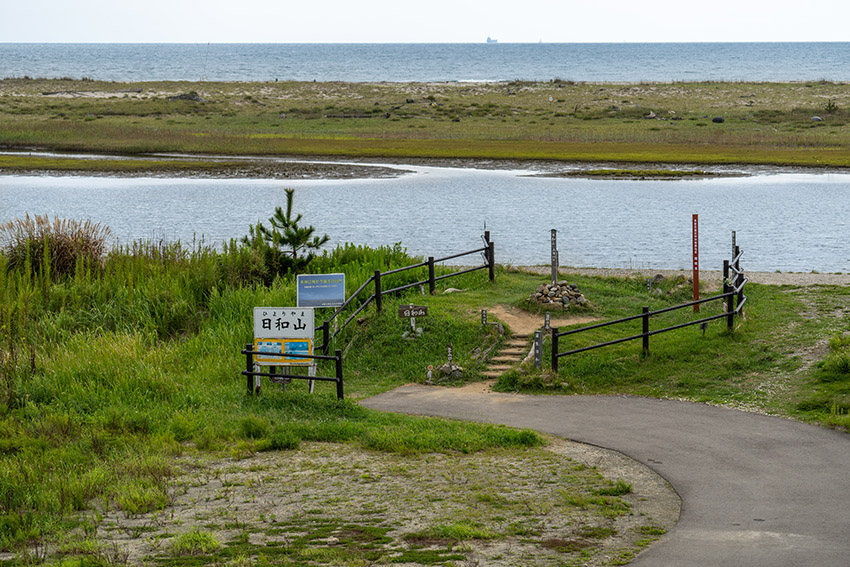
(696, 260)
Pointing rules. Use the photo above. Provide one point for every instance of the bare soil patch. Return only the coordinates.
(524, 323)
(522, 500)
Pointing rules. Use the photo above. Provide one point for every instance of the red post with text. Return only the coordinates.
(696, 260)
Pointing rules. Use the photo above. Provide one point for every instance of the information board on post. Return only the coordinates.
(282, 331)
(320, 290)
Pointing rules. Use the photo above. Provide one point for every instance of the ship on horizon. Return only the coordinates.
(491, 40)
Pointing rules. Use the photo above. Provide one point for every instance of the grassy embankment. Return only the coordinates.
(763, 123)
(110, 373)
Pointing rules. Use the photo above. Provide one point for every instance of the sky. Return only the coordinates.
(421, 21)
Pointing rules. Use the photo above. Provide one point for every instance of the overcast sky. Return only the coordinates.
(417, 21)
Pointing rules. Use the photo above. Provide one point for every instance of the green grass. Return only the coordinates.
(195, 542)
(765, 123)
(718, 366)
(114, 166)
(109, 372)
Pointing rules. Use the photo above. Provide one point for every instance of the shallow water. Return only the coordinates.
(787, 222)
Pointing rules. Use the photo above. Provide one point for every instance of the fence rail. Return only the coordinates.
(376, 280)
(733, 290)
(251, 373)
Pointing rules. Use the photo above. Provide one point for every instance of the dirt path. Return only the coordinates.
(522, 322)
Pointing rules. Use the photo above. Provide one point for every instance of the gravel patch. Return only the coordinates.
(536, 504)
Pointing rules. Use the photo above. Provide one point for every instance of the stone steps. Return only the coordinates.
(513, 351)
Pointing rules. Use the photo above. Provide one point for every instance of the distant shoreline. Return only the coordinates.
(711, 277)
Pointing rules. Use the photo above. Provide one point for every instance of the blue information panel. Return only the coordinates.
(278, 352)
(321, 290)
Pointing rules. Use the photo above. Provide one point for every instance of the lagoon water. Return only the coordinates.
(610, 62)
(788, 222)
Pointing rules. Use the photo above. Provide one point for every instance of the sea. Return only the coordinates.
(788, 222)
(424, 62)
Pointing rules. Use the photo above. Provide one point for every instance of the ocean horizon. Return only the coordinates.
(430, 62)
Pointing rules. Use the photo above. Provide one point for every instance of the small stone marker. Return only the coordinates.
(546, 321)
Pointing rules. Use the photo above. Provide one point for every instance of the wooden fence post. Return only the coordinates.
(326, 336)
(730, 300)
(491, 256)
(378, 292)
(739, 277)
(554, 349)
(338, 362)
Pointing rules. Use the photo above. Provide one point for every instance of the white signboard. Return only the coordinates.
(282, 331)
(284, 323)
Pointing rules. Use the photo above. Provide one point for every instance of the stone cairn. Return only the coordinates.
(561, 294)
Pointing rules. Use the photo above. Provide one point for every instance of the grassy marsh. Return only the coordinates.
(763, 123)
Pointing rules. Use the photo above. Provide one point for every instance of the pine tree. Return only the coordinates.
(286, 246)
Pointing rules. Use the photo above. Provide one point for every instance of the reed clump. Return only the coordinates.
(57, 246)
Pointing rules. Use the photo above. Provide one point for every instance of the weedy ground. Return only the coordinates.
(330, 503)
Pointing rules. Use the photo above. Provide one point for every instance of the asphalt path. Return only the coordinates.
(756, 490)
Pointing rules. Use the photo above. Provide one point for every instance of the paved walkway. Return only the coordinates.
(756, 490)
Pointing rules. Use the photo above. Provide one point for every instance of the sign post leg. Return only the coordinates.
(249, 368)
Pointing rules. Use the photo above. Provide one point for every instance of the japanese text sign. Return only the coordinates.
(412, 311)
(284, 323)
(321, 290)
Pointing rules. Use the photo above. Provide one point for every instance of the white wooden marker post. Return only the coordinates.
(554, 256)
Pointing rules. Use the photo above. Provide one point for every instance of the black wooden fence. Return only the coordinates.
(733, 292)
(378, 293)
(284, 377)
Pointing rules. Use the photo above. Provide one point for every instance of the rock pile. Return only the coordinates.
(561, 294)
